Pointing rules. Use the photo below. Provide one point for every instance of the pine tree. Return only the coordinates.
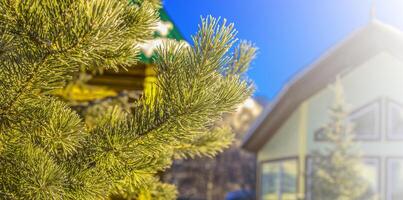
(47, 151)
(337, 169)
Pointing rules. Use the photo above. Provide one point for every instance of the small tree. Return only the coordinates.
(46, 149)
(337, 169)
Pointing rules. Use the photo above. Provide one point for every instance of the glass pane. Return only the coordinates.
(366, 121)
(364, 124)
(270, 180)
(395, 179)
(289, 180)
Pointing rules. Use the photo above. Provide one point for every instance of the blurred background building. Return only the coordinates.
(370, 66)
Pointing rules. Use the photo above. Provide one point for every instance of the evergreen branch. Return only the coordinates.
(47, 151)
(242, 57)
(22, 89)
(66, 58)
(207, 143)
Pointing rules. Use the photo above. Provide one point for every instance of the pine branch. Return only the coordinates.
(187, 99)
(48, 151)
(98, 42)
(206, 144)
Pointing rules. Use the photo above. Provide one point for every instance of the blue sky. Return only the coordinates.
(290, 34)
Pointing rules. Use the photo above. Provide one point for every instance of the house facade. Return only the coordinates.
(370, 66)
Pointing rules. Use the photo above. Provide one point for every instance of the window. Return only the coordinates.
(279, 180)
(394, 123)
(394, 190)
(369, 170)
(270, 181)
(289, 180)
(366, 121)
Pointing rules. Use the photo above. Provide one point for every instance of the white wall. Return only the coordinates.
(284, 143)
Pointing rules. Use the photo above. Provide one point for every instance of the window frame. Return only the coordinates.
(259, 193)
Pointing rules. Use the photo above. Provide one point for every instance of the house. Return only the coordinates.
(370, 66)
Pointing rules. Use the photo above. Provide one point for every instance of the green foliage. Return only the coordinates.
(44, 42)
(207, 143)
(48, 151)
(151, 189)
(337, 170)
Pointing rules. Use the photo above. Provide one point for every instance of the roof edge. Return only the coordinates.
(257, 132)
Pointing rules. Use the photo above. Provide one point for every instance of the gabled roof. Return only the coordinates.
(360, 46)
